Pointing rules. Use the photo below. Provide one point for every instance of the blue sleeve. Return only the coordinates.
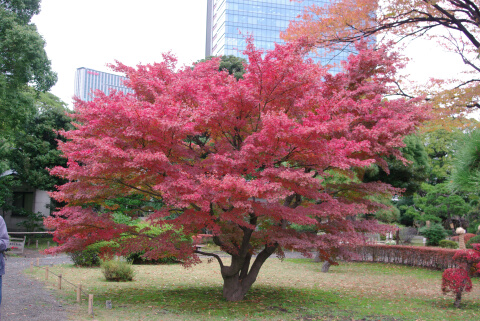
(3, 235)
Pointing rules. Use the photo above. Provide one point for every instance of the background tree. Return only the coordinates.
(31, 150)
(454, 23)
(406, 176)
(7, 183)
(35, 147)
(234, 65)
(440, 146)
(437, 203)
(466, 173)
(23, 62)
(243, 158)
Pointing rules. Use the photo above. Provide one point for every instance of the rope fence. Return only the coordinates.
(78, 287)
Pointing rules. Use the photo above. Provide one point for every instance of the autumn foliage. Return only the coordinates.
(457, 280)
(451, 23)
(242, 159)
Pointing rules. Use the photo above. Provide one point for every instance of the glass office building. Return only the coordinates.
(87, 81)
(230, 21)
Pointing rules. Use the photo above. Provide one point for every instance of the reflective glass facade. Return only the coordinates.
(87, 81)
(230, 21)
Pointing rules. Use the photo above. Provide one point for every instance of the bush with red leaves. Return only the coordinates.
(458, 280)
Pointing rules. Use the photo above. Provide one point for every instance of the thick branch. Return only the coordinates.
(211, 254)
(246, 266)
(257, 264)
(454, 20)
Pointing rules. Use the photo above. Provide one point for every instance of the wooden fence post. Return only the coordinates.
(46, 273)
(36, 244)
(31, 267)
(48, 244)
(79, 293)
(59, 281)
(90, 304)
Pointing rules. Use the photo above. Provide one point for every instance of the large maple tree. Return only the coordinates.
(246, 159)
(453, 23)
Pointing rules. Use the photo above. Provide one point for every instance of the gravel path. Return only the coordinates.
(24, 298)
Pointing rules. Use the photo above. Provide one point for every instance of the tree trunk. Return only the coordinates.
(458, 299)
(234, 289)
(317, 259)
(237, 282)
(326, 265)
(239, 277)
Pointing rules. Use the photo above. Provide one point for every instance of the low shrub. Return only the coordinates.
(90, 256)
(434, 234)
(118, 271)
(473, 240)
(447, 244)
(86, 258)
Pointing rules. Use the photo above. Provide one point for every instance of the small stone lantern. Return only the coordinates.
(461, 238)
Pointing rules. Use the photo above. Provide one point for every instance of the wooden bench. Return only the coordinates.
(17, 244)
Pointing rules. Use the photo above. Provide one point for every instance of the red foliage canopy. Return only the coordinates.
(243, 159)
(456, 281)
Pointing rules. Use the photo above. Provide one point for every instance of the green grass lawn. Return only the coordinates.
(293, 289)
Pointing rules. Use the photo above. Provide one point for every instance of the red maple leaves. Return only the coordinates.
(244, 159)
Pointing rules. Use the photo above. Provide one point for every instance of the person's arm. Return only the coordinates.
(3, 235)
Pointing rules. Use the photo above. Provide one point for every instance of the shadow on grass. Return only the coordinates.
(261, 302)
(373, 268)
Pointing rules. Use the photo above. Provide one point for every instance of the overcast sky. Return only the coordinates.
(93, 33)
